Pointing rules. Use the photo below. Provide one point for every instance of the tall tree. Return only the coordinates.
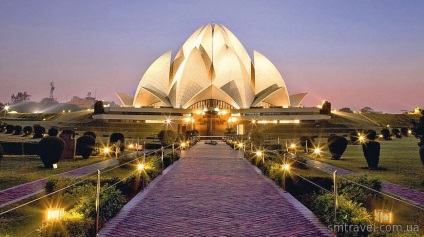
(20, 97)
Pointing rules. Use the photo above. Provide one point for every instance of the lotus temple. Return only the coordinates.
(210, 85)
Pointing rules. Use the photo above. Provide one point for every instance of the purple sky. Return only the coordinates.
(352, 53)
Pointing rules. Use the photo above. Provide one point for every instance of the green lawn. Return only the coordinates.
(15, 170)
(399, 162)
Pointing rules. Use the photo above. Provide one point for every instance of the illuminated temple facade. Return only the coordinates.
(212, 77)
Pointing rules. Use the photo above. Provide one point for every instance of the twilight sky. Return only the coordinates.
(352, 53)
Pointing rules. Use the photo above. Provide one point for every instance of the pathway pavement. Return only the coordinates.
(411, 195)
(26, 190)
(213, 192)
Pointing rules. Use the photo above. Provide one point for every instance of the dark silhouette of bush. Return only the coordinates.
(2, 127)
(337, 146)
(167, 137)
(17, 130)
(118, 139)
(90, 133)
(50, 150)
(386, 134)
(99, 107)
(404, 131)
(418, 130)
(39, 131)
(325, 108)
(28, 130)
(396, 133)
(70, 132)
(53, 132)
(307, 140)
(85, 146)
(371, 150)
(371, 134)
(1, 153)
(354, 138)
(9, 129)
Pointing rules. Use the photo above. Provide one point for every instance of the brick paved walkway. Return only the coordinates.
(20, 192)
(411, 195)
(213, 192)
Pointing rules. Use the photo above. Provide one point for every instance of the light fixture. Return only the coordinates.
(106, 150)
(140, 166)
(54, 214)
(383, 216)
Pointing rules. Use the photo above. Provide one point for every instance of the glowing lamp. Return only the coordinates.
(140, 167)
(317, 151)
(383, 216)
(361, 138)
(131, 146)
(167, 121)
(54, 214)
(106, 150)
(240, 145)
(292, 145)
(253, 121)
(7, 107)
(187, 120)
(409, 132)
(286, 167)
(259, 153)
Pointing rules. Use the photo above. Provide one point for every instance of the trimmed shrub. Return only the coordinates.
(348, 213)
(50, 149)
(404, 131)
(85, 146)
(371, 149)
(111, 202)
(1, 152)
(9, 129)
(39, 131)
(337, 146)
(357, 193)
(325, 108)
(53, 132)
(307, 140)
(90, 133)
(154, 146)
(386, 134)
(71, 224)
(167, 137)
(118, 140)
(55, 183)
(17, 130)
(28, 130)
(396, 133)
(70, 132)
(99, 107)
(371, 134)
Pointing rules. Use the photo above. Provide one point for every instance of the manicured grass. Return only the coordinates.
(15, 170)
(399, 162)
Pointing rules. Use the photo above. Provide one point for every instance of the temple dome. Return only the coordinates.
(212, 64)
